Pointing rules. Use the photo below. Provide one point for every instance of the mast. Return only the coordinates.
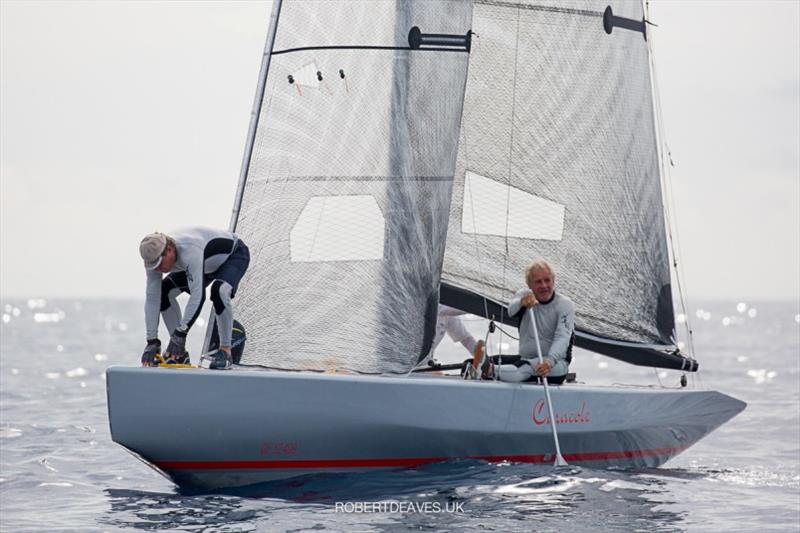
(256, 112)
(251, 134)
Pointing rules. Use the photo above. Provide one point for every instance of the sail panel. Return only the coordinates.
(347, 194)
(561, 110)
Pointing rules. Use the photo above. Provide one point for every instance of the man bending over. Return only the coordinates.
(193, 259)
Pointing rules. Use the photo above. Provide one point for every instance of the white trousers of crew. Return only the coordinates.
(518, 374)
(448, 321)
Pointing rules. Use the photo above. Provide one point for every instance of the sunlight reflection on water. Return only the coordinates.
(57, 447)
(761, 375)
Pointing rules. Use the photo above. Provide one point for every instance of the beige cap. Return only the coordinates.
(151, 248)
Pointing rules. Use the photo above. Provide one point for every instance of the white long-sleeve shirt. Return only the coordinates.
(199, 251)
(555, 321)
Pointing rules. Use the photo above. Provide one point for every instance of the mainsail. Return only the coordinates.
(348, 183)
(558, 159)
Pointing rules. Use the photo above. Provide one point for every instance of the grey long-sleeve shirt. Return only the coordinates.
(200, 251)
(555, 321)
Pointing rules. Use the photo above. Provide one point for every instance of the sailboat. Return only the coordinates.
(405, 153)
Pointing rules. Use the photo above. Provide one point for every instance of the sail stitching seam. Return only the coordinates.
(366, 47)
(546, 9)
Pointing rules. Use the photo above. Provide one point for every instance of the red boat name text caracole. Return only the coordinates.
(278, 448)
(540, 415)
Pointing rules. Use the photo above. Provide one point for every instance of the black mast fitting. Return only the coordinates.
(417, 40)
(610, 21)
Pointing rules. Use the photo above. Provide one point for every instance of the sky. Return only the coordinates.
(122, 118)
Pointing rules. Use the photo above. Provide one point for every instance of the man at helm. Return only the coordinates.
(555, 322)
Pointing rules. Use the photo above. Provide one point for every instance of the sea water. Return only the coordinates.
(60, 471)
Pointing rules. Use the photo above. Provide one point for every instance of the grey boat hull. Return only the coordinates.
(211, 430)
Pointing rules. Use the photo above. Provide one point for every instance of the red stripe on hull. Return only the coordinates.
(407, 462)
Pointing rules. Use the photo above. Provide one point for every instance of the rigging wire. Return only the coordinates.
(506, 333)
(510, 158)
(655, 371)
(477, 253)
(472, 207)
(667, 187)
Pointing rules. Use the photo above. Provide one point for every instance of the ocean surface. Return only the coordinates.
(60, 471)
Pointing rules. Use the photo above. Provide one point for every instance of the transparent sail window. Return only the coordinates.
(494, 208)
(307, 76)
(338, 228)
